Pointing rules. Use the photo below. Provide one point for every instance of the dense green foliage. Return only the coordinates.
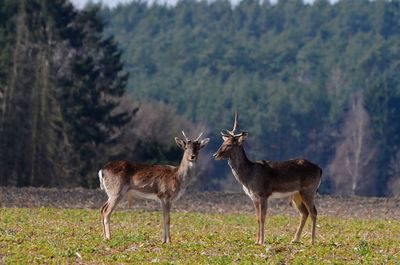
(59, 85)
(57, 236)
(290, 69)
(296, 73)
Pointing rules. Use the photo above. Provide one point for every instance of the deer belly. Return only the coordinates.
(143, 195)
(279, 195)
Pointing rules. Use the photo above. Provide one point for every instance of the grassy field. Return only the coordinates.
(60, 236)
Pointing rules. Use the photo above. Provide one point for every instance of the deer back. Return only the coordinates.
(286, 176)
(160, 180)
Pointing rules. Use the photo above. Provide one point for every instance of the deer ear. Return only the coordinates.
(180, 143)
(204, 142)
(243, 137)
(224, 137)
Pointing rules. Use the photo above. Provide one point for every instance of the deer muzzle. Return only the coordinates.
(217, 156)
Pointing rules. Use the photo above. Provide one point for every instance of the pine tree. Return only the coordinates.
(59, 98)
(94, 85)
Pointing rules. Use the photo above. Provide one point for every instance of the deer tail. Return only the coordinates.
(101, 180)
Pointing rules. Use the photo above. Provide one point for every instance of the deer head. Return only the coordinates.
(231, 142)
(191, 148)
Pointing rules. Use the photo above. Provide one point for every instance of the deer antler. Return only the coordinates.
(184, 135)
(235, 125)
(198, 138)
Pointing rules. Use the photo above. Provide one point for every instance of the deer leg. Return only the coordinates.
(166, 207)
(102, 210)
(106, 211)
(308, 200)
(257, 208)
(314, 223)
(298, 203)
(263, 213)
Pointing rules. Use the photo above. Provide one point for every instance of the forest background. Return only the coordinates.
(79, 88)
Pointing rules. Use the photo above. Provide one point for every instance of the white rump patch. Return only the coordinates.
(279, 195)
(101, 180)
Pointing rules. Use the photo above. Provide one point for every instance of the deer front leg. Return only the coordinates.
(263, 213)
(166, 207)
(257, 208)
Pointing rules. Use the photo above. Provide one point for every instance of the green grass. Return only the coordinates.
(59, 236)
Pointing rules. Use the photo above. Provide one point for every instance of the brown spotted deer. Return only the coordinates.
(261, 180)
(163, 183)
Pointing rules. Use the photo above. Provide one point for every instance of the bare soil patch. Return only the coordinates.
(207, 202)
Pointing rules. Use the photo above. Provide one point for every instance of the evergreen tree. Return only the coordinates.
(94, 85)
(61, 86)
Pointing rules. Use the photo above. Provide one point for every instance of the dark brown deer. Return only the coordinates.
(163, 183)
(298, 178)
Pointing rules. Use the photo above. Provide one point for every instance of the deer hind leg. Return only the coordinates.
(308, 200)
(297, 201)
(102, 210)
(106, 211)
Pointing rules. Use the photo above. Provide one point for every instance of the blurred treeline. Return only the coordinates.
(319, 81)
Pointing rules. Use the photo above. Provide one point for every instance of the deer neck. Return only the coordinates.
(186, 170)
(240, 165)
